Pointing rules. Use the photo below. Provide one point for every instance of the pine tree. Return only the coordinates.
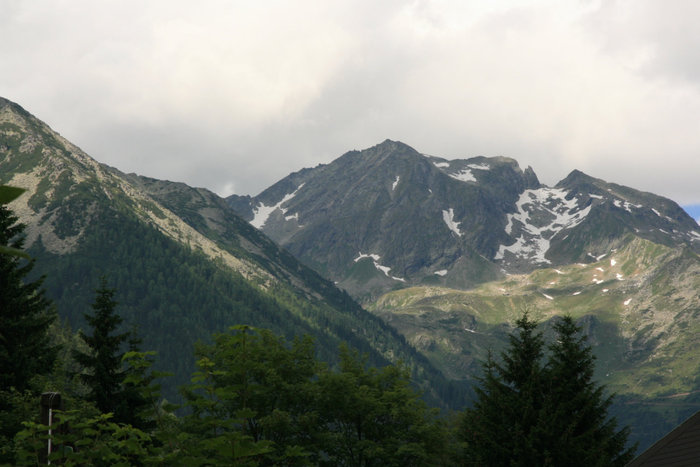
(527, 413)
(501, 427)
(575, 418)
(140, 393)
(103, 370)
(25, 313)
(25, 317)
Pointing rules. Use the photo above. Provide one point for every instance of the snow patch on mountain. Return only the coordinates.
(375, 260)
(449, 218)
(541, 214)
(627, 206)
(262, 212)
(464, 175)
(441, 165)
(362, 255)
(441, 272)
(597, 258)
(396, 182)
(479, 166)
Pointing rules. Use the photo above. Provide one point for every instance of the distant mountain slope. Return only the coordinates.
(450, 253)
(184, 265)
(389, 217)
(638, 305)
(639, 301)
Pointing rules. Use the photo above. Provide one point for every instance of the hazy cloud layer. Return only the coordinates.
(235, 95)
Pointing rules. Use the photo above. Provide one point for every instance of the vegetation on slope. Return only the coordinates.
(638, 305)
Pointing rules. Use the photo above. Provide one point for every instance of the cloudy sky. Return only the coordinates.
(234, 95)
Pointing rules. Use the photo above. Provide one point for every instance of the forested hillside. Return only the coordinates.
(180, 276)
(256, 398)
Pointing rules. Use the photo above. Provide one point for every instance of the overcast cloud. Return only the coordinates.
(234, 95)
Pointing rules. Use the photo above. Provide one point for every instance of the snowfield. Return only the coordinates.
(375, 260)
(262, 212)
(449, 218)
(541, 214)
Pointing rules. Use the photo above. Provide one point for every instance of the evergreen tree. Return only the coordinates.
(8, 194)
(140, 394)
(527, 413)
(25, 313)
(25, 317)
(103, 372)
(578, 429)
(501, 428)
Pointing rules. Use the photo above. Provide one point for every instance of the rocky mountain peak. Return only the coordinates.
(388, 216)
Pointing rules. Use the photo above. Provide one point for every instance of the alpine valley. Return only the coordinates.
(443, 256)
(451, 252)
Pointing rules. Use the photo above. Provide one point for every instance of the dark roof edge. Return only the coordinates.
(666, 440)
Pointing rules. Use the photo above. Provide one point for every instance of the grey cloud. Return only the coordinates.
(659, 38)
(217, 95)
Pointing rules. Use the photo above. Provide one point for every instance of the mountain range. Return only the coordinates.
(184, 265)
(452, 252)
(443, 256)
(389, 217)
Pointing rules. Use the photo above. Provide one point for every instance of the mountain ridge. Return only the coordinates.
(183, 264)
(393, 204)
(496, 242)
(426, 243)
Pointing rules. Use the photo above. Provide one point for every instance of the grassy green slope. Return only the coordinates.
(639, 306)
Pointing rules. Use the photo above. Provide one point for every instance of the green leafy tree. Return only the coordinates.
(103, 372)
(79, 440)
(83, 436)
(248, 400)
(530, 413)
(257, 399)
(372, 417)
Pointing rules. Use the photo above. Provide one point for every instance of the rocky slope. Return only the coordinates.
(389, 217)
(184, 265)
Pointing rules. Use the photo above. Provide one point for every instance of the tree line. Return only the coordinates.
(257, 398)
